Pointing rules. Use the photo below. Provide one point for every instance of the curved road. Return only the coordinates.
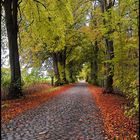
(72, 115)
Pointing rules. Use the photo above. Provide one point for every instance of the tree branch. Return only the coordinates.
(38, 11)
(40, 3)
(20, 15)
(19, 2)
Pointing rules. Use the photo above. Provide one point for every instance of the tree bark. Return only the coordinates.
(52, 80)
(56, 70)
(71, 72)
(62, 66)
(10, 6)
(109, 66)
(109, 47)
(94, 65)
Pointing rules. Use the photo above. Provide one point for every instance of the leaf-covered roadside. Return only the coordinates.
(116, 124)
(12, 108)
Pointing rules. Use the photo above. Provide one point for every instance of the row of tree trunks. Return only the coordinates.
(10, 6)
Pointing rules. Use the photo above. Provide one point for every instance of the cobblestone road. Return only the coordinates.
(71, 115)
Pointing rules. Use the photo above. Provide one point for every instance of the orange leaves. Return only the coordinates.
(116, 124)
(32, 100)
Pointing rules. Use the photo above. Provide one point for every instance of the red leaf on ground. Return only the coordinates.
(111, 107)
(32, 100)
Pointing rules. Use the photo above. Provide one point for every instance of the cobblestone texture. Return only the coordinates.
(71, 115)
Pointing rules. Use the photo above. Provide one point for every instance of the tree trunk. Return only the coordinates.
(91, 72)
(70, 69)
(109, 66)
(94, 65)
(10, 6)
(56, 70)
(52, 80)
(62, 66)
(105, 7)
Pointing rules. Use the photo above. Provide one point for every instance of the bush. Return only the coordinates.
(33, 78)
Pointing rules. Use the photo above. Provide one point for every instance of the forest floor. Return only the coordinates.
(73, 105)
